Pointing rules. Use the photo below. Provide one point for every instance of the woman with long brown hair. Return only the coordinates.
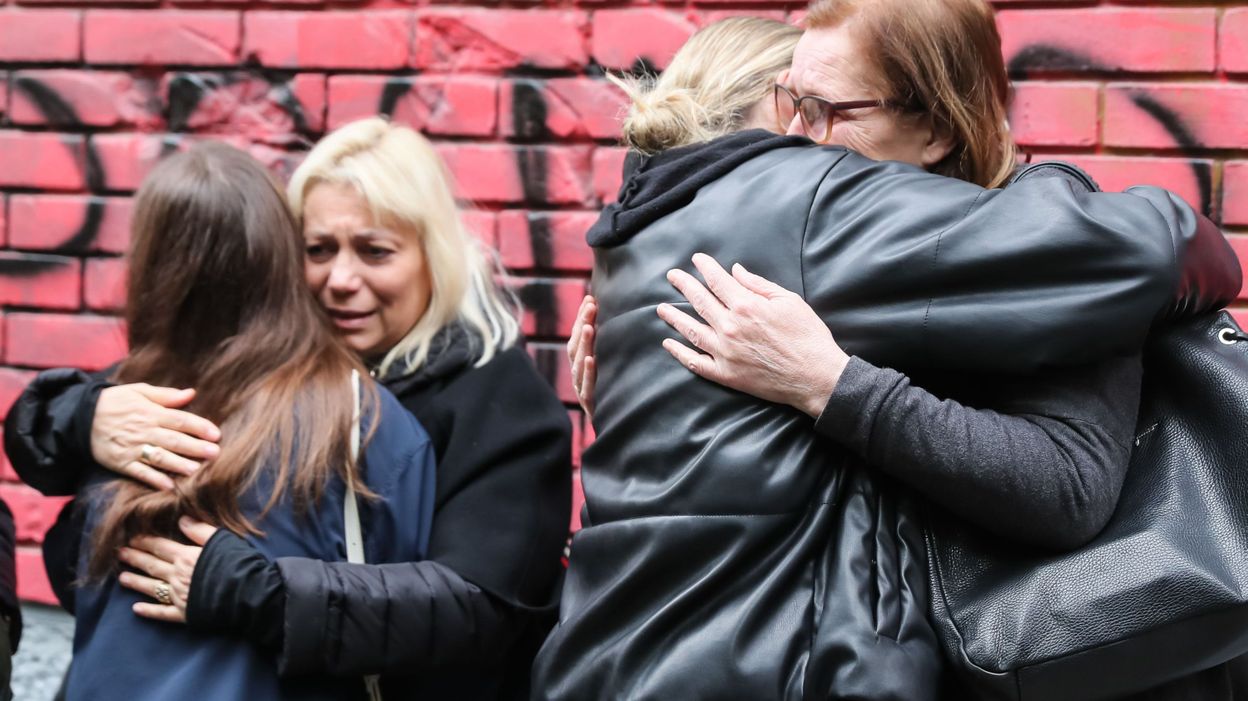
(217, 300)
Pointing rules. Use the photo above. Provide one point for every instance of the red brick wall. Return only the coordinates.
(92, 93)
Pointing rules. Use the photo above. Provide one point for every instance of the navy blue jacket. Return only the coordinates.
(118, 655)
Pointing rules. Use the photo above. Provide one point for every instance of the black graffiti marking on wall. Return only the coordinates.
(55, 110)
(1044, 57)
(394, 90)
(528, 110)
(187, 90)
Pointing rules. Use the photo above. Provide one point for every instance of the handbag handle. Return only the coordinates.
(351, 516)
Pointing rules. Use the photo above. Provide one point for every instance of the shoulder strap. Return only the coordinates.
(351, 516)
(350, 509)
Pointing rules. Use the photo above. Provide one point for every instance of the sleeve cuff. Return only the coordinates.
(307, 613)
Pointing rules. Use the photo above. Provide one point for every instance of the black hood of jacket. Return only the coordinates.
(658, 185)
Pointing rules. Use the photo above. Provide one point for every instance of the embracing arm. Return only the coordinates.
(915, 271)
(503, 508)
(47, 433)
(1048, 472)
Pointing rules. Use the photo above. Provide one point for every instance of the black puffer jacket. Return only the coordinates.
(733, 553)
(463, 624)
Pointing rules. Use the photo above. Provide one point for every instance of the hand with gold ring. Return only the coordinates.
(581, 354)
(141, 431)
(164, 570)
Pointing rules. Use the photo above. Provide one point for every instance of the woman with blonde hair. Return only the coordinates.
(760, 539)
(388, 258)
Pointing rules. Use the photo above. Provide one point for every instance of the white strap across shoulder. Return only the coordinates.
(351, 516)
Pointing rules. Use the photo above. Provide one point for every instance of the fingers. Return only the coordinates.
(756, 283)
(146, 562)
(143, 585)
(146, 474)
(178, 444)
(198, 531)
(160, 612)
(721, 284)
(163, 548)
(192, 425)
(574, 341)
(165, 396)
(697, 363)
(704, 303)
(696, 333)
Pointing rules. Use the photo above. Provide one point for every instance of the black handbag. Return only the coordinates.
(1162, 592)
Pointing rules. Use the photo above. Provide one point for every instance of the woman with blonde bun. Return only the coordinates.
(757, 536)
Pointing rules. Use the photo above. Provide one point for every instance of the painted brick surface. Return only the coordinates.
(94, 93)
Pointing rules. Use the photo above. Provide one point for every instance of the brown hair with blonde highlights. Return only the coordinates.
(217, 301)
(942, 59)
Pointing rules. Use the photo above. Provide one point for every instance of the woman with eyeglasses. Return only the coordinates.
(761, 539)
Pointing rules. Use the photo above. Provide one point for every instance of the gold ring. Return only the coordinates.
(147, 453)
(164, 594)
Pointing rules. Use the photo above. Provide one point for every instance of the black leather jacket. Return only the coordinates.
(735, 554)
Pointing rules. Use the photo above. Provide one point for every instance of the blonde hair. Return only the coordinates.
(941, 58)
(723, 71)
(408, 187)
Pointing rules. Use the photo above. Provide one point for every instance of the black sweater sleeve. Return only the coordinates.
(47, 433)
(1044, 465)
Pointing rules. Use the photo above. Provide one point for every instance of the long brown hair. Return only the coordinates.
(217, 301)
(941, 59)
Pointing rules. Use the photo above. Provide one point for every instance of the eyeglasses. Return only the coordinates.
(816, 112)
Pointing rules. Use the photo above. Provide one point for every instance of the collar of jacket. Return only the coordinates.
(453, 349)
(663, 183)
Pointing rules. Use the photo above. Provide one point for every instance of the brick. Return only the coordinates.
(310, 92)
(483, 225)
(70, 223)
(608, 173)
(56, 340)
(1183, 117)
(168, 37)
(1147, 40)
(622, 37)
(537, 175)
(32, 579)
(546, 240)
(7, 473)
(1233, 40)
(551, 360)
(38, 280)
(1235, 193)
(374, 40)
(33, 513)
(12, 383)
(437, 105)
(561, 108)
(1117, 173)
(127, 158)
(472, 39)
(549, 305)
(246, 105)
(1240, 245)
(41, 160)
(577, 418)
(104, 284)
(1055, 114)
(4, 219)
(4, 94)
(71, 98)
(40, 36)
